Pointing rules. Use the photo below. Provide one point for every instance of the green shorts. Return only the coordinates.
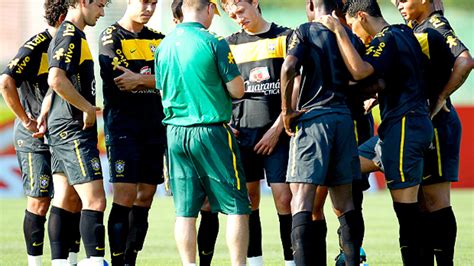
(35, 169)
(205, 161)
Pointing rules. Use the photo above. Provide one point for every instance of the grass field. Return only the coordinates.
(160, 249)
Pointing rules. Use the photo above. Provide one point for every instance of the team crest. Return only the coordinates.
(44, 182)
(271, 46)
(19, 142)
(63, 134)
(95, 163)
(152, 48)
(119, 166)
(259, 74)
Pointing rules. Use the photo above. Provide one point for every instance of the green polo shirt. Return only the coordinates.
(192, 66)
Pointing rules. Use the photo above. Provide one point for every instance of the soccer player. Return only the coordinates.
(406, 131)
(203, 154)
(450, 64)
(323, 148)
(73, 130)
(23, 85)
(256, 123)
(134, 134)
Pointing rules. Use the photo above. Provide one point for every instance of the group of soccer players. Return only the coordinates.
(304, 113)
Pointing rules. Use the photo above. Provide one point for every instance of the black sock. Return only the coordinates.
(350, 239)
(255, 235)
(117, 227)
(302, 238)
(33, 230)
(444, 224)
(93, 232)
(207, 236)
(408, 215)
(138, 224)
(75, 232)
(285, 235)
(320, 232)
(426, 244)
(358, 188)
(58, 232)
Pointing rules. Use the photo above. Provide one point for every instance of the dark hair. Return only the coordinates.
(327, 5)
(72, 3)
(53, 9)
(224, 2)
(176, 8)
(370, 7)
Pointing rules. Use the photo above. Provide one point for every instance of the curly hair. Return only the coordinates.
(72, 3)
(53, 10)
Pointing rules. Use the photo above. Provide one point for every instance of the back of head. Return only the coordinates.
(325, 6)
(194, 5)
(54, 9)
(176, 9)
(370, 7)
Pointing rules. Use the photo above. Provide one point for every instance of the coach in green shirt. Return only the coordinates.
(197, 75)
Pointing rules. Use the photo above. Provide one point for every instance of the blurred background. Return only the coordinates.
(21, 19)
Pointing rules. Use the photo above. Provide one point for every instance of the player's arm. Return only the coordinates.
(358, 68)
(227, 68)
(60, 83)
(41, 121)
(130, 80)
(235, 87)
(10, 94)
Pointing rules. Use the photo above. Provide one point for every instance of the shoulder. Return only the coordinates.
(439, 22)
(109, 35)
(212, 37)
(154, 34)
(281, 30)
(39, 41)
(234, 37)
(67, 29)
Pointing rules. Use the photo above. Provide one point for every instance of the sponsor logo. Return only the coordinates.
(93, 90)
(115, 254)
(99, 248)
(145, 70)
(69, 31)
(267, 88)
(37, 244)
(63, 134)
(259, 74)
(207, 253)
(230, 57)
(33, 43)
(133, 50)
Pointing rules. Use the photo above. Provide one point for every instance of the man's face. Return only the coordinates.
(141, 10)
(243, 13)
(93, 11)
(357, 27)
(410, 9)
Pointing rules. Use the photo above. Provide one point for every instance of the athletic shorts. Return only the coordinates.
(372, 150)
(323, 151)
(272, 166)
(205, 161)
(442, 158)
(403, 148)
(364, 130)
(80, 159)
(35, 170)
(139, 163)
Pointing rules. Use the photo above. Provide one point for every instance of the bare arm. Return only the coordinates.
(235, 87)
(59, 82)
(10, 94)
(134, 81)
(42, 118)
(358, 68)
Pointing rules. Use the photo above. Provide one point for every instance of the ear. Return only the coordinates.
(311, 6)
(255, 3)
(62, 17)
(361, 16)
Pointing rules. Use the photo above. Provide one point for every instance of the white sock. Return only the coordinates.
(35, 260)
(255, 261)
(72, 258)
(96, 261)
(290, 263)
(189, 264)
(59, 262)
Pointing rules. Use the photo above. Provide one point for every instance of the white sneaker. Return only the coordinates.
(35, 260)
(72, 258)
(59, 262)
(290, 263)
(255, 261)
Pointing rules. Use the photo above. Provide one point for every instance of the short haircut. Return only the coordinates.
(226, 2)
(53, 9)
(370, 7)
(176, 8)
(327, 5)
(72, 3)
(196, 4)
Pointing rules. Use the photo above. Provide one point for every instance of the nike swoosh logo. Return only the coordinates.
(426, 177)
(77, 242)
(99, 248)
(207, 253)
(133, 51)
(37, 244)
(117, 254)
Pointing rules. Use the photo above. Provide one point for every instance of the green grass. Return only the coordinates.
(160, 249)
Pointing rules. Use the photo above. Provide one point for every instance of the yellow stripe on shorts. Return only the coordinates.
(293, 154)
(30, 166)
(78, 154)
(355, 132)
(438, 152)
(402, 144)
(234, 158)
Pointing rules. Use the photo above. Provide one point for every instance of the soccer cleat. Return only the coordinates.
(341, 261)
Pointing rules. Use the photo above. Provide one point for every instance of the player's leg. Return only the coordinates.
(319, 225)
(185, 236)
(37, 183)
(207, 234)
(237, 238)
(254, 252)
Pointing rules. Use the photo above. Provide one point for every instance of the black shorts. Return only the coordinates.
(323, 151)
(139, 163)
(35, 170)
(79, 159)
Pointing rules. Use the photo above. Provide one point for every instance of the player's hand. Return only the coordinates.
(41, 126)
(369, 104)
(30, 124)
(89, 117)
(128, 81)
(331, 22)
(437, 106)
(288, 118)
(268, 142)
(234, 131)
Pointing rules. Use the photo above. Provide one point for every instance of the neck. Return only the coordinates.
(262, 26)
(195, 17)
(426, 13)
(376, 25)
(74, 16)
(130, 24)
(52, 30)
